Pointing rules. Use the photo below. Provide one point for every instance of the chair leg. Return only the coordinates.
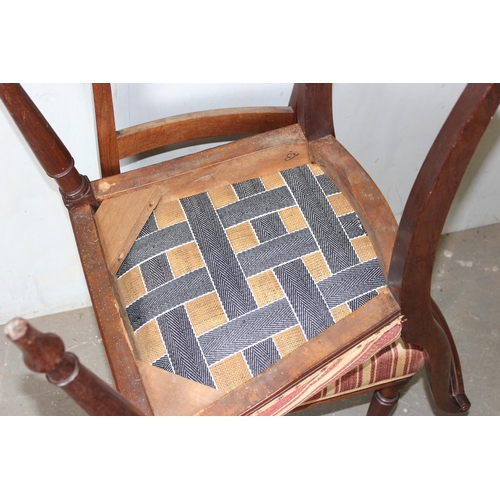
(384, 400)
(457, 390)
(45, 353)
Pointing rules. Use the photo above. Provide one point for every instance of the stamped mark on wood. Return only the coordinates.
(291, 155)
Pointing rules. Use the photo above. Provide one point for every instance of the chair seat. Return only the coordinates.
(221, 285)
(238, 280)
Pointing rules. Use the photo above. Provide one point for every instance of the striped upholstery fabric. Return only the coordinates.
(220, 285)
(316, 383)
(394, 362)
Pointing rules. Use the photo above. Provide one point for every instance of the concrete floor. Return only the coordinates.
(466, 286)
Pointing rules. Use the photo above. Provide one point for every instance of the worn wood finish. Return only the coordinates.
(312, 104)
(288, 145)
(119, 220)
(106, 129)
(218, 123)
(45, 353)
(119, 349)
(178, 183)
(46, 146)
(420, 229)
(384, 400)
(172, 395)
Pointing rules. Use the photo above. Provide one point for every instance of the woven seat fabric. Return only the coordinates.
(394, 362)
(221, 285)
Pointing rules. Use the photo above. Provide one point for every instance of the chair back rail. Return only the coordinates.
(218, 123)
(306, 106)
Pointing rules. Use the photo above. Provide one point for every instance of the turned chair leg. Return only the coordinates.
(384, 400)
(45, 353)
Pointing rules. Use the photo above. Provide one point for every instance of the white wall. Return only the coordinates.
(39, 263)
(387, 127)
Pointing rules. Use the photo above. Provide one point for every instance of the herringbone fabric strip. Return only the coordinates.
(232, 280)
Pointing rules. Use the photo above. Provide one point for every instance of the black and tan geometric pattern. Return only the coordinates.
(220, 285)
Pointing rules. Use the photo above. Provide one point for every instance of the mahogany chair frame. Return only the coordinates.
(305, 127)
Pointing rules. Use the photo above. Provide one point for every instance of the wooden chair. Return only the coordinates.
(258, 277)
